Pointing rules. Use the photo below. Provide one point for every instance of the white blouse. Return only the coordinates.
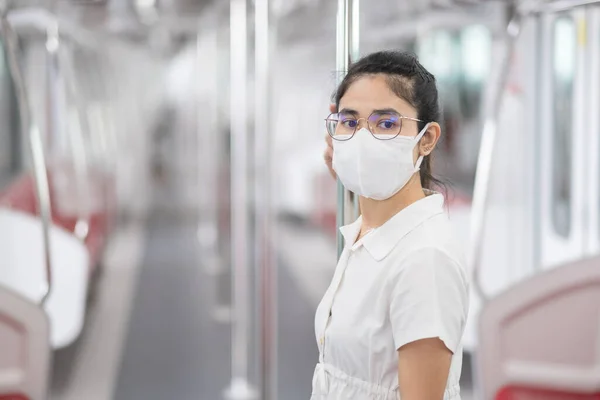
(402, 282)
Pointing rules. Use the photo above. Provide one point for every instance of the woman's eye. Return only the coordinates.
(350, 123)
(388, 124)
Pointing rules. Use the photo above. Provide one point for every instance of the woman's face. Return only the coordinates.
(371, 93)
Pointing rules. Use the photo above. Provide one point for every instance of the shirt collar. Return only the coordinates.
(380, 242)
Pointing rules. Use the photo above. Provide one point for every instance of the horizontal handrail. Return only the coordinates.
(538, 7)
(42, 20)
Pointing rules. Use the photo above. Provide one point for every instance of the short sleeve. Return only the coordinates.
(429, 299)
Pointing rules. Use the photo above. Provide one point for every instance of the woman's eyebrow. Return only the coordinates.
(386, 111)
(377, 111)
(348, 111)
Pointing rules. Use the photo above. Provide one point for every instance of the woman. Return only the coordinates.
(391, 322)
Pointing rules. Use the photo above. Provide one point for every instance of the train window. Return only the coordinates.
(460, 59)
(437, 53)
(10, 140)
(476, 45)
(563, 73)
(475, 64)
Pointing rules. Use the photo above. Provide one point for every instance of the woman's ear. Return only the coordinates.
(430, 139)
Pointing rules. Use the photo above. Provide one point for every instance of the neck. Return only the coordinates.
(376, 212)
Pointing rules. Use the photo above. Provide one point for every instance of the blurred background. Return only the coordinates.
(168, 224)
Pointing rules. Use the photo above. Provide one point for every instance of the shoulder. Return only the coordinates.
(431, 265)
(430, 259)
(429, 297)
(434, 242)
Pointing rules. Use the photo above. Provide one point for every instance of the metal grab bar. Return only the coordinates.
(347, 51)
(30, 130)
(265, 235)
(486, 154)
(41, 19)
(47, 22)
(240, 388)
(75, 128)
(538, 7)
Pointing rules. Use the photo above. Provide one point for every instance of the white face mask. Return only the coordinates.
(375, 168)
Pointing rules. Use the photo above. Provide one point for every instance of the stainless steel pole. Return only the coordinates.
(208, 153)
(555, 6)
(240, 387)
(347, 51)
(223, 272)
(77, 125)
(486, 154)
(36, 145)
(264, 235)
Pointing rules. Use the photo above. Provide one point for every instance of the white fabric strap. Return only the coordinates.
(418, 164)
(417, 139)
(422, 133)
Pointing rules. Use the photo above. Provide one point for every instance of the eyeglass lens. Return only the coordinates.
(342, 126)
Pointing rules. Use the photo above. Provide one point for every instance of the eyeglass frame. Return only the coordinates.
(369, 125)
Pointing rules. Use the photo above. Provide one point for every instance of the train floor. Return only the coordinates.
(155, 330)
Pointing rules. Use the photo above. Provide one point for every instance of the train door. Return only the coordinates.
(593, 132)
(563, 137)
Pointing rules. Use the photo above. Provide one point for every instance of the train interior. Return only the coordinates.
(168, 225)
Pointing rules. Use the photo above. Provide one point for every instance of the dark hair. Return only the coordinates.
(408, 79)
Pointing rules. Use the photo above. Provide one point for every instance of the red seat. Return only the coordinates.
(521, 393)
(537, 338)
(20, 195)
(24, 348)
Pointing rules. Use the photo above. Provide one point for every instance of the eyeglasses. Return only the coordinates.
(382, 125)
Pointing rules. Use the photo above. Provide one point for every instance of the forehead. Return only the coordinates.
(370, 93)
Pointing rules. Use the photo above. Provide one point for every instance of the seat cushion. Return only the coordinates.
(13, 397)
(523, 393)
(21, 195)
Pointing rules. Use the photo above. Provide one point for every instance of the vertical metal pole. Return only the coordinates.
(77, 127)
(211, 151)
(207, 145)
(347, 51)
(30, 130)
(240, 329)
(53, 82)
(354, 45)
(223, 276)
(264, 235)
(486, 154)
